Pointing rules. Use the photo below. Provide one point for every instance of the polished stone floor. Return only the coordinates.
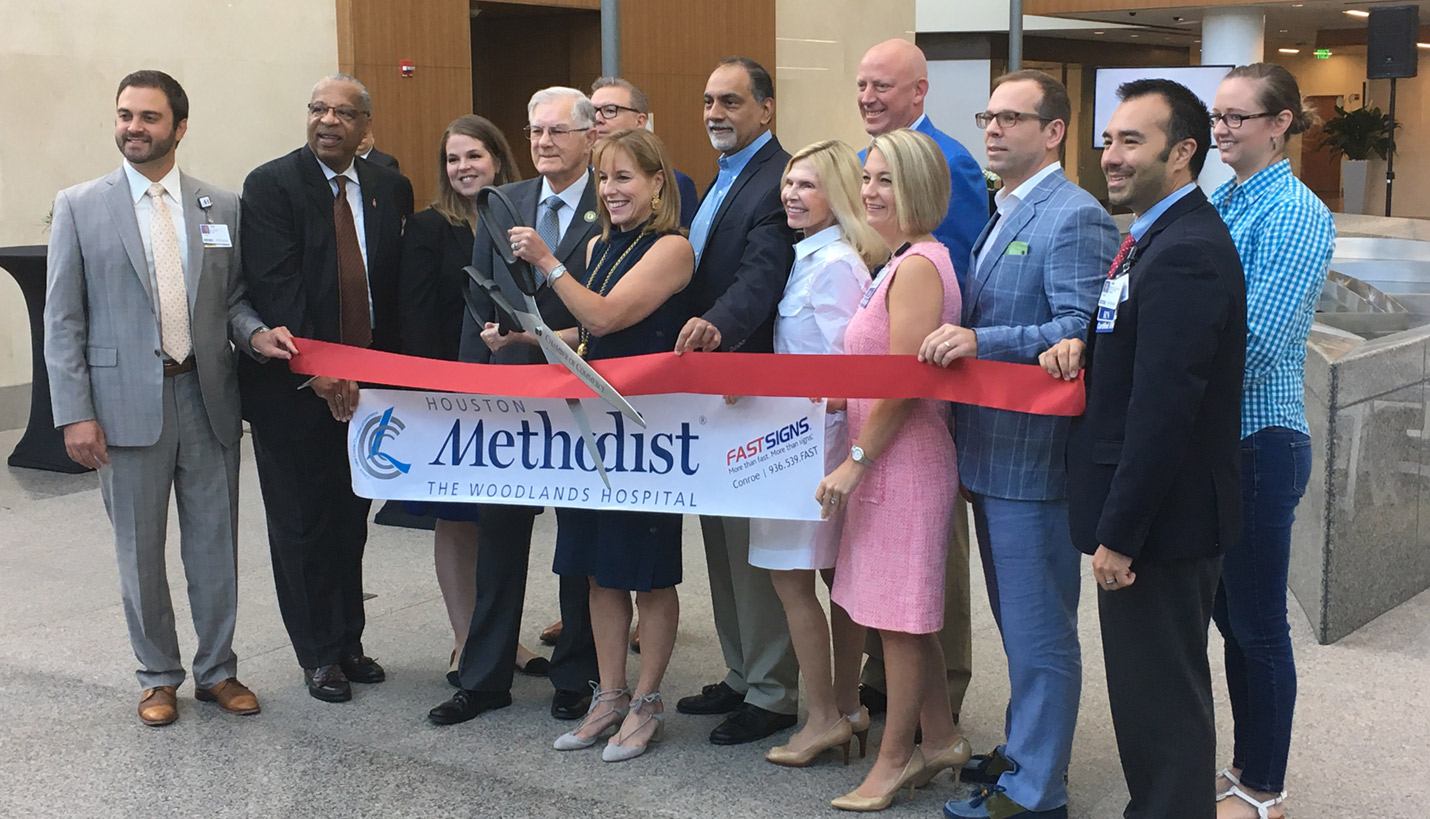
(72, 746)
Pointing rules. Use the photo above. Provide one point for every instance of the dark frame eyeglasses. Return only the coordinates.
(611, 110)
(534, 133)
(1006, 119)
(318, 110)
(1235, 120)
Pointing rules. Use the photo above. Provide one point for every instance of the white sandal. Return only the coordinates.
(1226, 774)
(1261, 807)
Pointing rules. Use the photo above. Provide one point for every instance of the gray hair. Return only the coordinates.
(363, 96)
(583, 114)
(638, 97)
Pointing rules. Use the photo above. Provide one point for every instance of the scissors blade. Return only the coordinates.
(510, 317)
(589, 438)
(559, 352)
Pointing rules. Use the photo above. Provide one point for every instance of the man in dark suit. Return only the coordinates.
(1154, 464)
(321, 244)
(743, 253)
(368, 151)
(561, 204)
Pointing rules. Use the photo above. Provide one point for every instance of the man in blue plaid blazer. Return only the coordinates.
(1034, 279)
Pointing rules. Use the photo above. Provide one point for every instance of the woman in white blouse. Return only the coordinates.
(830, 274)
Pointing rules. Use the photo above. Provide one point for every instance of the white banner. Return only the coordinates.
(760, 458)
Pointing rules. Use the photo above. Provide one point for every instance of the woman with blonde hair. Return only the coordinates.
(901, 474)
(820, 192)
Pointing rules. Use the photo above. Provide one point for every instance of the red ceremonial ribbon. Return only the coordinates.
(997, 384)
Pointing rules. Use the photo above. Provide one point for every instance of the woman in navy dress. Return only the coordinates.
(631, 303)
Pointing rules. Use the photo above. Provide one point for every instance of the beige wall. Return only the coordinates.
(247, 67)
(818, 45)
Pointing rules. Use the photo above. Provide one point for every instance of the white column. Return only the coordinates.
(1233, 36)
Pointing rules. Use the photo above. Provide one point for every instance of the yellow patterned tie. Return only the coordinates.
(169, 273)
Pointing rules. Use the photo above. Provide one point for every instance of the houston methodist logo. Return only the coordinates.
(769, 440)
(376, 429)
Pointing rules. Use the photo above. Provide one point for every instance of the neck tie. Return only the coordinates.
(354, 313)
(174, 335)
(548, 225)
(1122, 251)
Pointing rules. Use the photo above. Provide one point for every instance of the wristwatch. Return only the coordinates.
(856, 454)
(556, 272)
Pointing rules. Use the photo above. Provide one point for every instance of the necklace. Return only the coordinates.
(585, 335)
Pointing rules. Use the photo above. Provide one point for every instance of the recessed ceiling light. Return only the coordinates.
(1357, 13)
(1422, 45)
(1289, 50)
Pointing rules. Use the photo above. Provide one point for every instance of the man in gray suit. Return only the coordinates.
(1034, 277)
(144, 303)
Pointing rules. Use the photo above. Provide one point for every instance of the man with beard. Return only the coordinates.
(1154, 465)
(322, 241)
(145, 296)
(744, 249)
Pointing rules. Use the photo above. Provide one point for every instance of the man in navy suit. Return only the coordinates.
(1154, 464)
(1033, 281)
(743, 253)
(893, 81)
(321, 244)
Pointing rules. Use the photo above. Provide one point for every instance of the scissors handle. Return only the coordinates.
(497, 214)
(507, 321)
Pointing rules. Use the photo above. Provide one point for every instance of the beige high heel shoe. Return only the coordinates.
(853, 801)
(859, 724)
(835, 736)
(954, 756)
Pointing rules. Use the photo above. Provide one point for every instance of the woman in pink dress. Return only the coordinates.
(901, 474)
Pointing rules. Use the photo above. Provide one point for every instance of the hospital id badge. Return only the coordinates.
(1114, 293)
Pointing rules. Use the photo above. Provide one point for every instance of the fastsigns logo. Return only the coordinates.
(377, 429)
(767, 441)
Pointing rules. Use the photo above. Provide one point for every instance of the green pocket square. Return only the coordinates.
(1016, 249)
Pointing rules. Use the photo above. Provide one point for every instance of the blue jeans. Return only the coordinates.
(1033, 574)
(1250, 605)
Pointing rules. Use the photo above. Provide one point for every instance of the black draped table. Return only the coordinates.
(43, 446)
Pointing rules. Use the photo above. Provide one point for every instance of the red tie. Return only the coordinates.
(1122, 252)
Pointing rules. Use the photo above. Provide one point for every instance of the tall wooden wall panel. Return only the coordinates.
(409, 114)
(668, 49)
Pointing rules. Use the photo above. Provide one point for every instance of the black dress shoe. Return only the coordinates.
(328, 683)
(362, 669)
(873, 699)
(568, 704)
(749, 723)
(465, 705)
(712, 699)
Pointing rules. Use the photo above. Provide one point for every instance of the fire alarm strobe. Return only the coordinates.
(407, 67)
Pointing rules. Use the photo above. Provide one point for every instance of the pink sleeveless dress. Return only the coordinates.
(889, 574)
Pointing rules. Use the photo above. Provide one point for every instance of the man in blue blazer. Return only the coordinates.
(1034, 278)
(744, 249)
(893, 81)
(1154, 464)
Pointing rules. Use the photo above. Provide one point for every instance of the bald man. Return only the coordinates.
(893, 83)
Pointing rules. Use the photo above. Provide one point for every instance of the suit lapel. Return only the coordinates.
(320, 190)
(580, 229)
(371, 201)
(121, 209)
(194, 216)
(749, 171)
(1012, 226)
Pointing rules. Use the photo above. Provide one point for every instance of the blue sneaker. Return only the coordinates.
(992, 803)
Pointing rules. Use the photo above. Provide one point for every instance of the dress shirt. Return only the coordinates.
(1144, 222)
(1285, 237)
(1007, 201)
(730, 167)
(571, 202)
(825, 286)
(139, 190)
(354, 189)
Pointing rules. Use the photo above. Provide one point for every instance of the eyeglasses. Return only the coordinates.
(612, 110)
(535, 132)
(318, 110)
(1006, 119)
(1235, 120)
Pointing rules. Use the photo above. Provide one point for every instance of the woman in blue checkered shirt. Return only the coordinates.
(1285, 237)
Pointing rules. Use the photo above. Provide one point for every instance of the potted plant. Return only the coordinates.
(1355, 136)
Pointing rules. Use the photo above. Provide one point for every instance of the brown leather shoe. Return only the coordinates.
(636, 639)
(231, 695)
(551, 633)
(158, 706)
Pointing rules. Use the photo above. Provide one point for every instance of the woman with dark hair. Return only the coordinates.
(631, 303)
(436, 245)
(1285, 237)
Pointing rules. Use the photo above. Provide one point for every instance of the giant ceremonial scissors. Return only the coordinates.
(498, 215)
